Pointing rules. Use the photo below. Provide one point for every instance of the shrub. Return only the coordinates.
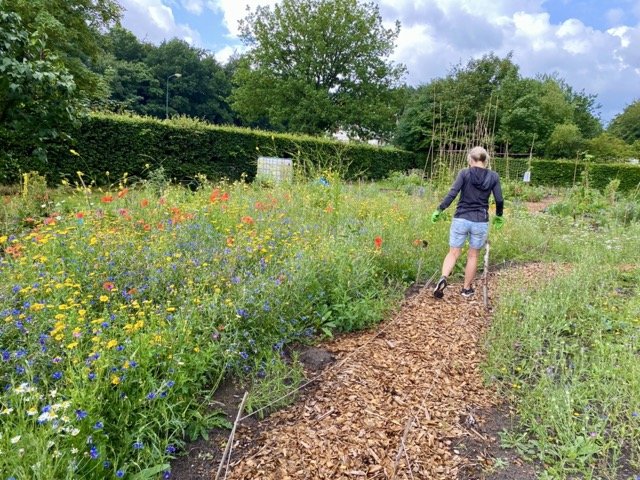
(185, 148)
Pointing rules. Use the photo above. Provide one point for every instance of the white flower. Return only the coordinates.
(16, 439)
(75, 432)
(32, 411)
(6, 411)
(74, 450)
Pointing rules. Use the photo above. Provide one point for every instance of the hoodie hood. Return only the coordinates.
(481, 178)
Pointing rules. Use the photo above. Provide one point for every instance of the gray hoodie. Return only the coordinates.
(476, 184)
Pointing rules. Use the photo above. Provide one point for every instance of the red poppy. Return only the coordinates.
(79, 215)
(378, 242)
(108, 286)
(107, 199)
(144, 203)
(215, 196)
(123, 192)
(224, 197)
(247, 219)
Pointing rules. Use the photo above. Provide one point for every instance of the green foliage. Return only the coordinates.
(185, 148)
(565, 141)
(139, 73)
(38, 96)
(555, 349)
(488, 96)
(71, 30)
(608, 148)
(317, 67)
(561, 173)
(626, 125)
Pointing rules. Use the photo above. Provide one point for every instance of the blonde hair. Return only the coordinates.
(478, 154)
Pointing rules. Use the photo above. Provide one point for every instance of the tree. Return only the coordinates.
(626, 125)
(565, 141)
(606, 147)
(474, 93)
(72, 33)
(37, 93)
(316, 66)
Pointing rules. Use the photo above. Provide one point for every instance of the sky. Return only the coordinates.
(593, 44)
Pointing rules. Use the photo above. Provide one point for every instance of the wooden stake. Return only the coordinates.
(230, 441)
(485, 277)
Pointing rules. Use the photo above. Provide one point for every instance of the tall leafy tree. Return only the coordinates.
(37, 93)
(626, 125)
(317, 66)
(450, 106)
(72, 32)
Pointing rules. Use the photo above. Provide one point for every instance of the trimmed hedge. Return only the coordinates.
(185, 148)
(560, 173)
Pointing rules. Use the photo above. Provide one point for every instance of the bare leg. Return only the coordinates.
(450, 261)
(472, 265)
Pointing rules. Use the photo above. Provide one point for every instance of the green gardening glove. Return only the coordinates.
(498, 222)
(435, 216)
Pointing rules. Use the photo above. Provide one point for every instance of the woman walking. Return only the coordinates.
(471, 220)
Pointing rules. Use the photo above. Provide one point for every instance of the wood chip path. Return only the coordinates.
(418, 381)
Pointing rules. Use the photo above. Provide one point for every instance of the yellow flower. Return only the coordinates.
(72, 345)
(3, 238)
(115, 380)
(104, 298)
(112, 343)
(196, 349)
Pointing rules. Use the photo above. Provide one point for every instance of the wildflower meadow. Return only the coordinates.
(123, 309)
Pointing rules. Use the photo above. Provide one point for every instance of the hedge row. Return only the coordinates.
(185, 148)
(566, 174)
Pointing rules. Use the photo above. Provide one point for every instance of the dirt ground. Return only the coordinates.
(403, 401)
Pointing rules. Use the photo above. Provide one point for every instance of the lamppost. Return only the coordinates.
(166, 108)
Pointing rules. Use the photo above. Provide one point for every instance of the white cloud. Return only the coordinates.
(153, 21)
(235, 10)
(193, 6)
(225, 54)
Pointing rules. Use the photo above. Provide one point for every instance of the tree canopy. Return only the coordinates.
(490, 94)
(626, 125)
(317, 66)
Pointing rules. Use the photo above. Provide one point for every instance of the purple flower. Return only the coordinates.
(244, 355)
(138, 445)
(98, 426)
(81, 414)
(242, 313)
(171, 449)
(94, 452)
(92, 376)
(151, 396)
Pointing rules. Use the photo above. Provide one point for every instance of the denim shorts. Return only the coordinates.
(462, 229)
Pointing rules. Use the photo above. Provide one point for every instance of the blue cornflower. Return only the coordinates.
(20, 370)
(133, 364)
(81, 414)
(242, 312)
(171, 449)
(120, 348)
(16, 288)
(636, 414)
(266, 307)
(94, 452)
(170, 383)
(138, 445)
(92, 376)
(98, 426)
(167, 474)
(106, 464)
(119, 474)
(244, 355)
(6, 355)
(104, 324)
(235, 280)
(151, 396)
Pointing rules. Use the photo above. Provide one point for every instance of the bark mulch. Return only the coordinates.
(397, 403)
